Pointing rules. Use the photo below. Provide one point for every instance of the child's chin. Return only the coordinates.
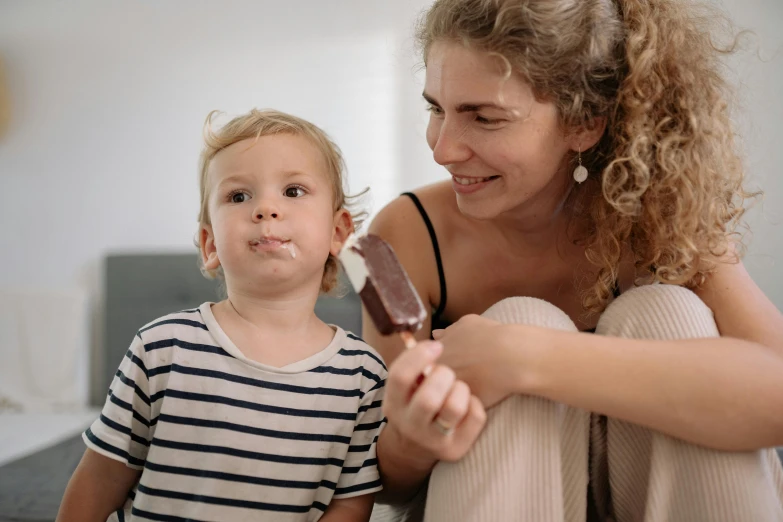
(282, 274)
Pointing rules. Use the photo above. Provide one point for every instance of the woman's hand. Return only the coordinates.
(476, 349)
(435, 414)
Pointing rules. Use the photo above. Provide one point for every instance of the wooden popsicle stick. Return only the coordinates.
(408, 339)
(410, 342)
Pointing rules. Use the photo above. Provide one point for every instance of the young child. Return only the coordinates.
(251, 408)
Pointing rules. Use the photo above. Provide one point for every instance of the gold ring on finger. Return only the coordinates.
(444, 428)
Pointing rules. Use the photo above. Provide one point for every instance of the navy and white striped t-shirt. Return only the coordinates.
(221, 437)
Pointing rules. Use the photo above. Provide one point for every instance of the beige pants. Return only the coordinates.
(531, 462)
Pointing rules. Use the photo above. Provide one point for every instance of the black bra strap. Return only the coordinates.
(434, 238)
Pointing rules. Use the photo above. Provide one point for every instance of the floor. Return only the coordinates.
(32, 487)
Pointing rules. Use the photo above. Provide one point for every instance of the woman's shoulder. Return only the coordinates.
(401, 222)
(404, 227)
(437, 203)
(439, 196)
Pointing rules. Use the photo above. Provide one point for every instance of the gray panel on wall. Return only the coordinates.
(142, 287)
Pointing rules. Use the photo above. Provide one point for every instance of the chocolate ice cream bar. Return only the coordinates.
(383, 285)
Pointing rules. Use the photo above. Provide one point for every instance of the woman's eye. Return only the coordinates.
(434, 109)
(238, 197)
(486, 121)
(294, 192)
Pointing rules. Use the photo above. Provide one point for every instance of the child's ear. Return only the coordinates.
(343, 227)
(209, 256)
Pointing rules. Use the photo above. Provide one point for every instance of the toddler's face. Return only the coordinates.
(271, 208)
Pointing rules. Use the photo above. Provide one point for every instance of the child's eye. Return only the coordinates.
(294, 191)
(238, 196)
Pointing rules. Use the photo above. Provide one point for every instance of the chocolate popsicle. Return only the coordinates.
(384, 287)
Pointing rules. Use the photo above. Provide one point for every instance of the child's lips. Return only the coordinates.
(273, 243)
(269, 241)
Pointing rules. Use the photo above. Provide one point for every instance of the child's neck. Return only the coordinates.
(273, 331)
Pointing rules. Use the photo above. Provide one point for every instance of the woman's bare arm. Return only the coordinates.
(742, 310)
(725, 393)
(405, 462)
(354, 509)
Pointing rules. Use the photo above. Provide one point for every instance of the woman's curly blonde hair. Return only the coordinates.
(667, 167)
(258, 123)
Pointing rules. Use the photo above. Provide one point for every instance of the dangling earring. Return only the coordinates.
(580, 173)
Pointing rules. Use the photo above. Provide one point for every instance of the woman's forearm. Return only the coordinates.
(721, 393)
(403, 467)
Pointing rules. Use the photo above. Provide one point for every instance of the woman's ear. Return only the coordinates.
(585, 138)
(343, 227)
(209, 255)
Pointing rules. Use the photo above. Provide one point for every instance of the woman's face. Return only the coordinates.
(505, 150)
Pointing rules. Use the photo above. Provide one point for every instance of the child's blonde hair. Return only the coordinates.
(258, 123)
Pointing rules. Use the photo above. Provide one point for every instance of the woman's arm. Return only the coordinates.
(725, 393)
(722, 393)
(98, 487)
(413, 442)
(409, 446)
(354, 509)
(404, 466)
(741, 309)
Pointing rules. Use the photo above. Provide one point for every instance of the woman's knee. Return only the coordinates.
(530, 311)
(658, 312)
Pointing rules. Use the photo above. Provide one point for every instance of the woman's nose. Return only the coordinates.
(449, 145)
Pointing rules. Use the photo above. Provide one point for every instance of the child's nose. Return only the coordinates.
(265, 210)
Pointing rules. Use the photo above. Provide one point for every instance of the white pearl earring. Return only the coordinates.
(580, 173)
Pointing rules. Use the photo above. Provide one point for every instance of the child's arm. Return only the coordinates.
(354, 509)
(97, 488)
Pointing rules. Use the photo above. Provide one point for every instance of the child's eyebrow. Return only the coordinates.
(299, 174)
(286, 174)
(292, 173)
(234, 178)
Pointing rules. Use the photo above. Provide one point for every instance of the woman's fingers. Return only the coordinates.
(454, 408)
(466, 433)
(430, 396)
(405, 375)
(428, 404)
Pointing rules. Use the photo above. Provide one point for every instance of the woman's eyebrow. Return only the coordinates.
(467, 107)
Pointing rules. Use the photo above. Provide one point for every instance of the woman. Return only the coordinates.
(629, 367)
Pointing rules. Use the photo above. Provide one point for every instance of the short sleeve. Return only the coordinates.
(360, 474)
(122, 432)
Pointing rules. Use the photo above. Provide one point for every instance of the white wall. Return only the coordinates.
(108, 99)
(758, 75)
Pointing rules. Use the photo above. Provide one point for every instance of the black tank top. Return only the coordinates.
(438, 322)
